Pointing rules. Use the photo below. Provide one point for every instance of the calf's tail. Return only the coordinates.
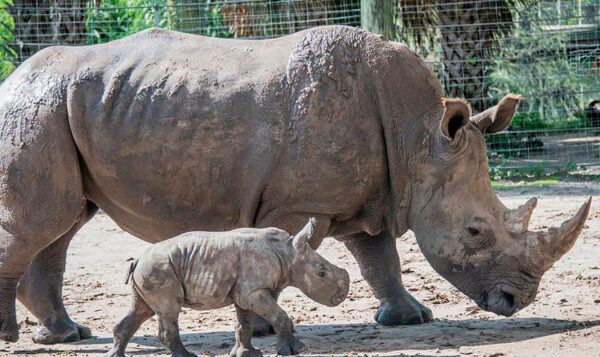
(131, 269)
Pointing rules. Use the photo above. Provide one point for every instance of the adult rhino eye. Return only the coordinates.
(473, 231)
(321, 274)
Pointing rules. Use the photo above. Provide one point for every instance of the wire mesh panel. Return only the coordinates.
(28, 26)
(547, 51)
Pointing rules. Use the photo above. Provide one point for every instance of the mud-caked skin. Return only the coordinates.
(246, 267)
(169, 133)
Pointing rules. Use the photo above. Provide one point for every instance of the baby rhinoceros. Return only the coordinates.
(245, 267)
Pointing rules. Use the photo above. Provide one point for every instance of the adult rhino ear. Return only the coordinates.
(497, 118)
(301, 239)
(456, 115)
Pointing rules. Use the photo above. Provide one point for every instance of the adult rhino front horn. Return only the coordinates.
(170, 132)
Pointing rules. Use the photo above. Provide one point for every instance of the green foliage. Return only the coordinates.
(7, 54)
(115, 19)
(216, 26)
(536, 63)
(532, 171)
(549, 181)
(540, 172)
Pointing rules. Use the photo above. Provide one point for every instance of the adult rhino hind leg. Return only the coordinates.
(40, 289)
(380, 266)
(41, 194)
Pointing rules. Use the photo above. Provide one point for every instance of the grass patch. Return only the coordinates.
(549, 181)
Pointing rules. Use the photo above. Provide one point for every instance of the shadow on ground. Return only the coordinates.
(367, 337)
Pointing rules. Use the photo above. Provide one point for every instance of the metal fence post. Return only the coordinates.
(156, 15)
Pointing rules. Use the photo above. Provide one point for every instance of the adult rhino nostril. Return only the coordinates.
(510, 302)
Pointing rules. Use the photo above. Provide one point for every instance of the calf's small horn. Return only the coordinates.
(517, 220)
(546, 247)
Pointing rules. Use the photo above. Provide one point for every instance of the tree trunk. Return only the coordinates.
(469, 34)
(378, 16)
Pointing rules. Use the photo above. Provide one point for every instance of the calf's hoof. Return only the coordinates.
(9, 331)
(60, 332)
(403, 313)
(239, 351)
(114, 353)
(290, 346)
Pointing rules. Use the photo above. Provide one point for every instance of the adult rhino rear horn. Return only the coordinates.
(517, 220)
(543, 248)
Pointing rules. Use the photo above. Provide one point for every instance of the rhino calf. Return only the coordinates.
(245, 267)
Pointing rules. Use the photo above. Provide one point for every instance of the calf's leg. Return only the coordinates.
(263, 304)
(243, 335)
(168, 334)
(380, 266)
(289, 222)
(40, 289)
(126, 328)
(262, 327)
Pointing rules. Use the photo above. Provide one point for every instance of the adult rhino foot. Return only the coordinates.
(403, 312)
(60, 332)
(9, 331)
(290, 346)
(240, 351)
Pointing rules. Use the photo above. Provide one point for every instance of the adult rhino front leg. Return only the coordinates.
(380, 266)
(40, 289)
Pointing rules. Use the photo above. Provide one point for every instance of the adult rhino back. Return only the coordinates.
(200, 133)
(164, 121)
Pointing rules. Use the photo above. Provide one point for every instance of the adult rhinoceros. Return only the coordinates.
(169, 132)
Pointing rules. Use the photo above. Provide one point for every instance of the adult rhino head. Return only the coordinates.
(483, 248)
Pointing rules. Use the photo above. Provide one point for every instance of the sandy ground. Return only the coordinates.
(564, 319)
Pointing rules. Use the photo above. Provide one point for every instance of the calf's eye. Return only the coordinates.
(473, 231)
(321, 274)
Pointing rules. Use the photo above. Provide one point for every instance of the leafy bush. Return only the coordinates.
(537, 63)
(115, 19)
(7, 54)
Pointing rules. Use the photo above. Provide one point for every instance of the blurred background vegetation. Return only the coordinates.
(547, 51)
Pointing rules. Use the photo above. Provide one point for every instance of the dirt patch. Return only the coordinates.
(563, 320)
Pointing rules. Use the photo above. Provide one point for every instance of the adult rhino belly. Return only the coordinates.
(163, 154)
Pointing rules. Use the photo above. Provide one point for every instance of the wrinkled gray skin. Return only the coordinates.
(246, 267)
(170, 132)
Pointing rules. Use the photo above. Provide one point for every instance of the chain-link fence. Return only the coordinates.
(547, 51)
(32, 25)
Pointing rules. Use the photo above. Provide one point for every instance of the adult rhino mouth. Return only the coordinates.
(500, 301)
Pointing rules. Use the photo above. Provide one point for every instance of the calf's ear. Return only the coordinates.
(301, 239)
(300, 242)
(498, 117)
(456, 115)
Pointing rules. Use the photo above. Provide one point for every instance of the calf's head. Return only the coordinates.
(465, 232)
(320, 280)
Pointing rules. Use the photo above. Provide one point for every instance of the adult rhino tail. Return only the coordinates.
(131, 269)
